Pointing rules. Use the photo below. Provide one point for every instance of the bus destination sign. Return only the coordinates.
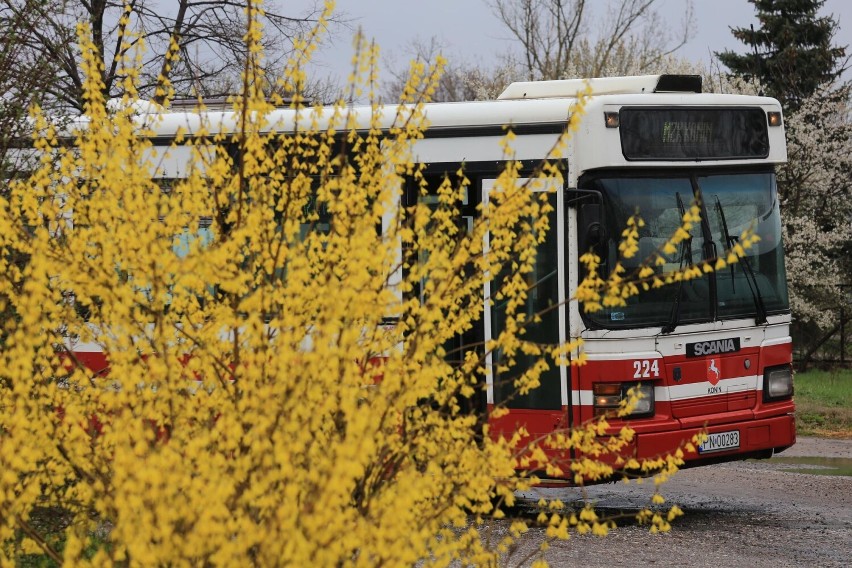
(655, 133)
(675, 132)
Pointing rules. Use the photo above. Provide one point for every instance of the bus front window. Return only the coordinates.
(753, 288)
(758, 282)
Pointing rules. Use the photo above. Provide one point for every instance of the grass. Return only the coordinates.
(824, 403)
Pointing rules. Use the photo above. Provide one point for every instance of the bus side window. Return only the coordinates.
(427, 193)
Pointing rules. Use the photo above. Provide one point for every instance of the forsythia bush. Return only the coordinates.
(243, 420)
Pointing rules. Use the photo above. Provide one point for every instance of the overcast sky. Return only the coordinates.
(471, 33)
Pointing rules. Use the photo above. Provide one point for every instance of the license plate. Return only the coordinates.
(720, 441)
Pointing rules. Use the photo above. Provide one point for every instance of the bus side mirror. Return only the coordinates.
(592, 234)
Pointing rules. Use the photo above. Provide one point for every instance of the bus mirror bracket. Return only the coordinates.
(592, 231)
(593, 234)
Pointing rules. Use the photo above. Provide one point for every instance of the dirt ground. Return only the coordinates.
(755, 514)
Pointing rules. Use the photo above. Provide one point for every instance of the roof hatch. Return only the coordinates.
(603, 86)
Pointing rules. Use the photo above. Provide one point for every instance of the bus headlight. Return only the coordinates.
(609, 396)
(778, 382)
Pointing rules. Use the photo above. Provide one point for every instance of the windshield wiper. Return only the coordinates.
(685, 252)
(751, 280)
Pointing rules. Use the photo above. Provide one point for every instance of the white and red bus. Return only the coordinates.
(710, 353)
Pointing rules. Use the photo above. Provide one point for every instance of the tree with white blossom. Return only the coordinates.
(815, 187)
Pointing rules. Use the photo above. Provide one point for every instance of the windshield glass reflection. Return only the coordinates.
(731, 203)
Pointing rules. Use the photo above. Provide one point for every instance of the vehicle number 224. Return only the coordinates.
(646, 369)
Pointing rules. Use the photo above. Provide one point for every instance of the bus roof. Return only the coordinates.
(542, 107)
(496, 115)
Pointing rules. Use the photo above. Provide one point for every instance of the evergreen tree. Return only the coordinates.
(792, 52)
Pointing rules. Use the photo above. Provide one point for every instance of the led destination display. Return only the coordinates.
(651, 133)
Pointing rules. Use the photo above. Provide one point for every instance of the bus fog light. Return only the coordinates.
(609, 397)
(645, 403)
(778, 383)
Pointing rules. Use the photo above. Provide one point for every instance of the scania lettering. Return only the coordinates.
(713, 347)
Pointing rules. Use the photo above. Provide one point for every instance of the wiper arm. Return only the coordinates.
(751, 280)
(685, 252)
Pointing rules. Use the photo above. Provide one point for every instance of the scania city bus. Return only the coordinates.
(712, 353)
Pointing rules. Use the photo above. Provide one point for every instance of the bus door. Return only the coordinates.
(546, 408)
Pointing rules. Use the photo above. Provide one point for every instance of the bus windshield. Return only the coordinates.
(730, 203)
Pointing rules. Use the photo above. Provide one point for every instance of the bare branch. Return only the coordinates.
(557, 39)
(208, 38)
